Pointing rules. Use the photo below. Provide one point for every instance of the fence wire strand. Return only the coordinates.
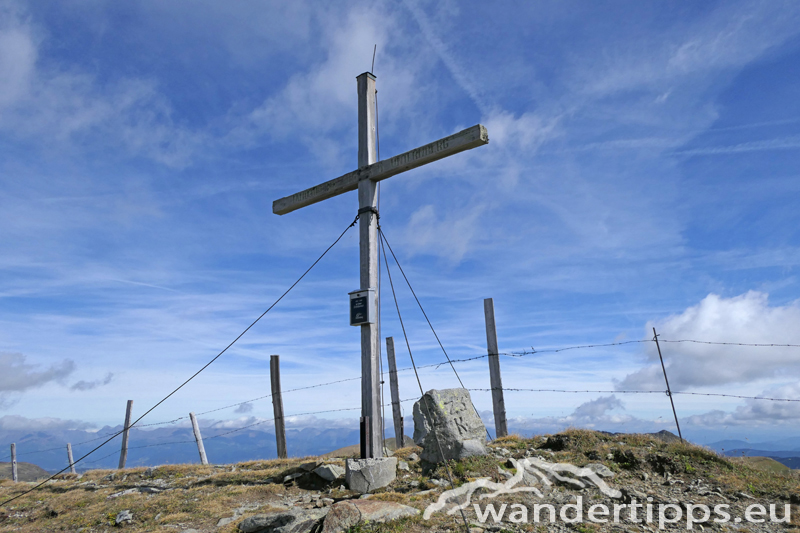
(523, 353)
(179, 387)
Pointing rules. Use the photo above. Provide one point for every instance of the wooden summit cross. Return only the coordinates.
(365, 179)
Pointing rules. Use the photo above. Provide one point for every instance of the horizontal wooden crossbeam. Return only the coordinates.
(458, 142)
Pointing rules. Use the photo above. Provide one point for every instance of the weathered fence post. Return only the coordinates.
(399, 438)
(69, 458)
(277, 404)
(14, 476)
(498, 405)
(200, 448)
(123, 454)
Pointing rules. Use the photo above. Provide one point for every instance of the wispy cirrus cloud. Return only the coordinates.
(69, 106)
(786, 143)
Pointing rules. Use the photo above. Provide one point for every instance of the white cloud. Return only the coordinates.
(730, 36)
(600, 413)
(312, 421)
(84, 385)
(756, 412)
(461, 75)
(244, 408)
(249, 31)
(747, 318)
(785, 143)
(595, 409)
(449, 236)
(267, 424)
(323, 99)
(68, 106)
(20, 423)
(736, 35)
(237, 423)
(17, 376)
(17, 61)
(523, 133)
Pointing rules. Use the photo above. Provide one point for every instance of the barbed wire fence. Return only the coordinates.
(435, 366)
(448, 362)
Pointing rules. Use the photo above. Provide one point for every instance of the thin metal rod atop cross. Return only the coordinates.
(365, 179)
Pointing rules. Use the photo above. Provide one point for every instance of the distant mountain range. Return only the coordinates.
(785, 451)
(171, 445)
(47, 449)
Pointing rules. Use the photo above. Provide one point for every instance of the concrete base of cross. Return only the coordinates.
(366, 475)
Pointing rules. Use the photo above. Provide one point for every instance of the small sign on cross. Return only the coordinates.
(361, 312)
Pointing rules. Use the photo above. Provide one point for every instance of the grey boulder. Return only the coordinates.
(365, 475)
(447, 420)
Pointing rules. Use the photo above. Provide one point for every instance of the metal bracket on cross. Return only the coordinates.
(369, 209)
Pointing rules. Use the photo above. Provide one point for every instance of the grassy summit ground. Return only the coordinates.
(181, 497)
(25, 472)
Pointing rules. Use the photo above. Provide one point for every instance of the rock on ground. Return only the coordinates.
(346, 514)
(294, 521)
(329, 472)
(123, 516)
(447, 419)
(365, 475)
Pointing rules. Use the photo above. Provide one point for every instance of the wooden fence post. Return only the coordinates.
(197, 437)
(123, 454)
(498, 405)
(69, 458)
(14, 476)
(399, 438)
(277, 404)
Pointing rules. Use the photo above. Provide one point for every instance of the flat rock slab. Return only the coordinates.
(329, 472)
(600, 469)
(294, 521)
(366, 475)
(346, 514)
(447, 420)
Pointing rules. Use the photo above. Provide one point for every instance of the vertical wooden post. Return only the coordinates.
(399, 438)
(14, 476)
(368, 261)
(69, 458)
(199, 439)
(277, 404)
(123, 454)
(498, 405)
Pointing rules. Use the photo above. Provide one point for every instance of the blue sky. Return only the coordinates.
(642, 171)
